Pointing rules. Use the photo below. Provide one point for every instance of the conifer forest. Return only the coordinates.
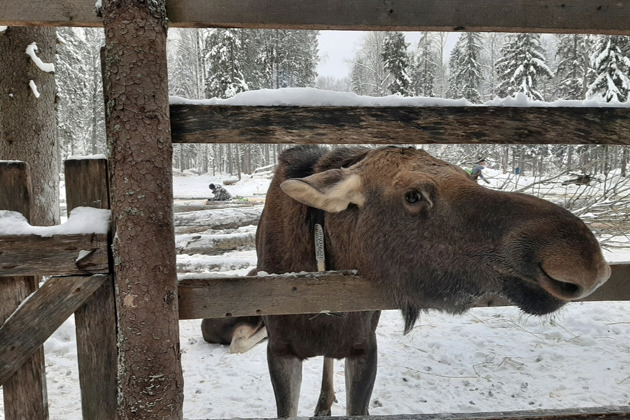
(220, 63)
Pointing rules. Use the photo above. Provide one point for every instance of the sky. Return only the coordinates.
(337, 48)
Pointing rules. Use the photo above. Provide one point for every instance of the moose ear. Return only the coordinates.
(331, 190)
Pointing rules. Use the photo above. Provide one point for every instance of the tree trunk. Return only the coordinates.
(138, 132)
(28, 132)
(29, 123)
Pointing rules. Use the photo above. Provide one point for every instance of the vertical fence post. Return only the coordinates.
(87, 184)
(25, 392)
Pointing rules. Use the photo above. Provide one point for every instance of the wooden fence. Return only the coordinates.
(87, 288)
(83, 286)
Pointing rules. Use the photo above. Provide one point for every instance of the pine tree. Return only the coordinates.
(574, 71)
(281, 58)
(522, 66)
(224, 77)
(186, 62)
(466, 73)
(612, 67)
(369, 76)
(300, 56)
(396, 62)
(80, 116)
(424, 67)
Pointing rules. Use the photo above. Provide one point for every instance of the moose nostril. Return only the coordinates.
(563, 289)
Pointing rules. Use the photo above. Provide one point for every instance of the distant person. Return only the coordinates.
(477, 171)
(517, 171)
(220, 193)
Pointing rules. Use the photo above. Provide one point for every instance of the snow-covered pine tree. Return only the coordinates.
(369, 76)
(185, 62)
(283, 58)
(574, 72)
(300, 58)
(466, 74)
(224, 75)
(396, 60)
(612, 67)
(490, 54)
(521, 66)
(424, 67)
(80, 113)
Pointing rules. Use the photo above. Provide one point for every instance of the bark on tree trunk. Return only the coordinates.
(138, 133)
(28, 132)
(29, 123)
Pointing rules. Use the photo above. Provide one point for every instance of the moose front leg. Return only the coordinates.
(286, 379)
(360, 377)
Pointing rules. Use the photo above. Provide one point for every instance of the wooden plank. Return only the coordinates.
(54, 255)
(607, 412)
(24, 392)
(314, 293)
(39, 316)
(616, 288)
(547, 16)
(96, 353)
(399, 125)
(16, 191)
(278, 295)
(87, 184)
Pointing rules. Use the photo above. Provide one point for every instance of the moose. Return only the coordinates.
(425, 234)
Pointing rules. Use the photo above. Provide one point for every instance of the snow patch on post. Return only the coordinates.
(33, 87)
(31, 51)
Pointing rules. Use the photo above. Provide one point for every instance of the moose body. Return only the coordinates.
(426, 234)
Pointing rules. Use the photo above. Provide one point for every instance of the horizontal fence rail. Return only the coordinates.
(613, 412)
(399, 125)
(319, 293)
(76, 254)
(550, 16)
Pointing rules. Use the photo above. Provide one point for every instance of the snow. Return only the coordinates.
(489, 359)
(3, 28)
(95, 157)
(320, 97)
(82, 220)
(31, 50)
(33, 87)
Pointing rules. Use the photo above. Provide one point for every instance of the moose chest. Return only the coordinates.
(335, 336)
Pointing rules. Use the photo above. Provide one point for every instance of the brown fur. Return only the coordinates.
(430, 237)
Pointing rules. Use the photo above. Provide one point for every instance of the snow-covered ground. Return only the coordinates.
(490, 359)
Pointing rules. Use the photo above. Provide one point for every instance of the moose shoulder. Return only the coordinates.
(421, 230)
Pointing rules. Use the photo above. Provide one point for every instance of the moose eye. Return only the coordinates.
(413, 197)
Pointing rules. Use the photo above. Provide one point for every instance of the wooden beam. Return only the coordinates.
(607, 412)
(545, 16)
(314, 293)
(25, 390)
(278, 295)
(39, 316)
(77, 254)
(399, 125)
(16, 191)
(87, 184)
